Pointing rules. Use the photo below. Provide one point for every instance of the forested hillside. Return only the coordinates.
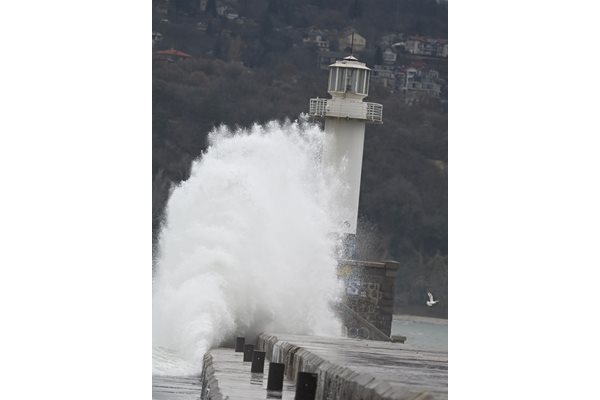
(249, 61)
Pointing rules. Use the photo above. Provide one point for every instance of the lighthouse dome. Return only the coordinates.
(349, 77)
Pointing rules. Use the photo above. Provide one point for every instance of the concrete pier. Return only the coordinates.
(361, 369)
(176, 387)
(347, 369)
(226, 376)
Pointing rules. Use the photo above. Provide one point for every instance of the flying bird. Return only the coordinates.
(431, 301)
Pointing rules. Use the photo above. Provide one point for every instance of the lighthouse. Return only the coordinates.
(345, 117)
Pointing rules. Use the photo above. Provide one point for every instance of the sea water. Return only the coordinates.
(246, 245)
(422, 332)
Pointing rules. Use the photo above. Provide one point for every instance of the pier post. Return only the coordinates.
(239, 344)
(306, 386)
(248, 350)
(258, 362)
(275, 380)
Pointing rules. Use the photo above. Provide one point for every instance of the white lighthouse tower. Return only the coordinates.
(345, 117)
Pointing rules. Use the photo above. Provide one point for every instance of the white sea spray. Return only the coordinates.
(247, 245)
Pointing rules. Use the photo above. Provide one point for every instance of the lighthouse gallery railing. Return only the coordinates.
(318, 107)
(372, 112)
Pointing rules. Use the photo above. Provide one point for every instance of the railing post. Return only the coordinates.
(239, 344)
(275, 380)
(248, 351)
(258, 361)
(306, 386)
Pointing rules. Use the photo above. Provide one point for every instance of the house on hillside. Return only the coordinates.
(426, 46)
(318, 37)
(162, 7)
(326, 58)
(389, 57)
(384, 75)
(318, 40)
(350, 39)
(389, 39)
(420, 79)
(222, 10)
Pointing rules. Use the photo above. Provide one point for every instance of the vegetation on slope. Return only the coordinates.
(403, 209)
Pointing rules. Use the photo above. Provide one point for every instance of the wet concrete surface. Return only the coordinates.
(408, 369)
(176, 387)
(235, 381)
(404, 371)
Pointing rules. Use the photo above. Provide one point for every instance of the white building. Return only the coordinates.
(384, 75)
(351, 39)
(427, 46)
(423, 81)
(318, 40)
(389, 56)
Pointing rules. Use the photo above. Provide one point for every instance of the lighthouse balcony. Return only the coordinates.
(344, 108)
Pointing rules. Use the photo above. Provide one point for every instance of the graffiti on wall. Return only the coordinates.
(368, 290)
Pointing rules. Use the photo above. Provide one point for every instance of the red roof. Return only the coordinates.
(173, 52)
(419, 64)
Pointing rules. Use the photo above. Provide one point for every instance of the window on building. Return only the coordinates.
(349, 80)
(341, 80)
(350, 84)
(361, 81)
(332, 78)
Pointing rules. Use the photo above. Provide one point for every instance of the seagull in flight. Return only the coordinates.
(431, 301)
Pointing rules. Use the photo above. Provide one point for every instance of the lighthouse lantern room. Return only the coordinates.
(345, 116)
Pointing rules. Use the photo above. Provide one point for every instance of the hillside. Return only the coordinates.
(242, 62)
